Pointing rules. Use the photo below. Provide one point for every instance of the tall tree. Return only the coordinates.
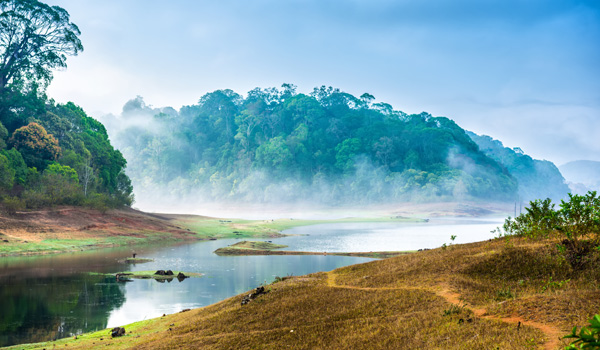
(34, 39)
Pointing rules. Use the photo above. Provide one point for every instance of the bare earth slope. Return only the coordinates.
(76, 228)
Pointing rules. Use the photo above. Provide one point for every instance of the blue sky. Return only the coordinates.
(523, 72)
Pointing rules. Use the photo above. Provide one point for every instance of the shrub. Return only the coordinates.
(35, 199)
(581, 216)
(99, 201)
(13, 204)
(577, 223)
(588, 337)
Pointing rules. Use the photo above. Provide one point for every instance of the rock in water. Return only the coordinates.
(181, 276)
(169, 273)
(160, 272)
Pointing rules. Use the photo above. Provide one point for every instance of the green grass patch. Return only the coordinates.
(21, 247)
(207, 228)
(257, 245)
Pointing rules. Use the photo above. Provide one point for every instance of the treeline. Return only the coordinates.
(52, 154)
(279, 145)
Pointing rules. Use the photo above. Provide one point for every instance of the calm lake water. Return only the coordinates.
(47, 297)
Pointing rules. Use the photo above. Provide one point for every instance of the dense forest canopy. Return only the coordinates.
(277, 145)
(49, 153)
(56, 154)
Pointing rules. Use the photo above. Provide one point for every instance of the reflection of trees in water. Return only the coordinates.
(42, 309)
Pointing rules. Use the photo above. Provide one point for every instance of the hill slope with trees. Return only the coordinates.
(49, 153)
(536, 178)
(276, 145)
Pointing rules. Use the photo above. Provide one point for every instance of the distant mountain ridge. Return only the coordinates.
(582, 175)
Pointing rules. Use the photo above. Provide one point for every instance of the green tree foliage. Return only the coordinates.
(327, 146)
(17, 164)
(7, 175)
(37, 147)
(576, 224)
(57, 154)
(588, 337)
(64, 171)
(74, 164)
(34, 39)
(3, 136)
(575, 219)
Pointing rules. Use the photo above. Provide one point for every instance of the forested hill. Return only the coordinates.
(52, 154)
(278, 145)
(536, 178)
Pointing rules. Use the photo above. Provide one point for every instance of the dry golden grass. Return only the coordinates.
(488, 295)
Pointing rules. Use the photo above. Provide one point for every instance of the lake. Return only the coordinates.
(48, 297)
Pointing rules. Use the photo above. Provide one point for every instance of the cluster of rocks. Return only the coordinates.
(164, 273)
(180, 276)
(257, 292)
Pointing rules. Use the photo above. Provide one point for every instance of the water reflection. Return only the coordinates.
(223, 278)
(39, 309)
(49, 297)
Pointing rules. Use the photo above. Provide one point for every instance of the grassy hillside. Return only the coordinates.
(500, 294)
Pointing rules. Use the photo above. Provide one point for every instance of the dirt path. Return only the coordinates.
(552, 333)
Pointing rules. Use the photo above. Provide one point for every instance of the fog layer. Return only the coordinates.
(328, 148)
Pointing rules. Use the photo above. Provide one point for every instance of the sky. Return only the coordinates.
(525, 72)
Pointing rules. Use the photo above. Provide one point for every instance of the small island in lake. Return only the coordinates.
(268, 248)
(159, 275)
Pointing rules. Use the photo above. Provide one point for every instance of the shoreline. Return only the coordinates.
(374, 255)
(72, 230)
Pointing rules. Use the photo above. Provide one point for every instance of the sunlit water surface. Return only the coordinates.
(49, 297)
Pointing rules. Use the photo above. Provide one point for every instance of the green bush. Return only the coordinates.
(13, 204)
(577, 218)
(576, 224)
(588, 337)
(581, 216)
(35, 199)
(99, 201)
